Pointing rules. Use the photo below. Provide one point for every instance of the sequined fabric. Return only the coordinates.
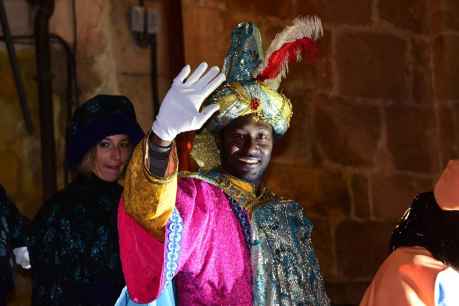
(221, 219)
(250, 98)
(242, 94)
(243, 218)
(245, 53)
(240, 192)
(74, 246)
(286, 270)
(205, 151)
(13, 229)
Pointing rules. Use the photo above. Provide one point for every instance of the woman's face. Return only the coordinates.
(112, 155)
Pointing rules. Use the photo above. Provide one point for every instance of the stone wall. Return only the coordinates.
(108, 61)
(375, 119)
(20, 150)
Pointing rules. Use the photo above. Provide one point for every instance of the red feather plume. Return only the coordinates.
(288, 46)
(289, 52)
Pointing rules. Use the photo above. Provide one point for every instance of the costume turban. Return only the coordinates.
(252, 79)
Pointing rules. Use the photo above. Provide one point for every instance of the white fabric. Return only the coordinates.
(179, 111)
(22, 258)
(446, 290)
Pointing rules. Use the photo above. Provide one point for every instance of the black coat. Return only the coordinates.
(74, 246)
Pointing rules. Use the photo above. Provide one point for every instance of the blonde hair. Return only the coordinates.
(86, 166)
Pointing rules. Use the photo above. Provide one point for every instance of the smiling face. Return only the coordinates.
(246, 147)
(111, 156)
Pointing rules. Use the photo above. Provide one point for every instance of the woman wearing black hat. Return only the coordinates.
(74, 240)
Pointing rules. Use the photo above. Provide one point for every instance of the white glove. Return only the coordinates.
(22, 257)
(179, 111)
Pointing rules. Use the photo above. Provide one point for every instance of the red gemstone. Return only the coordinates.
(254, 103)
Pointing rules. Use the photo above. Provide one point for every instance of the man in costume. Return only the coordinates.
(218, 236)
(422, 269)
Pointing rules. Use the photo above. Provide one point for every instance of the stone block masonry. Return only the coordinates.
(375, 119)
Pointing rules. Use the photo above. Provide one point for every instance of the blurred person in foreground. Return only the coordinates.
(422, 269)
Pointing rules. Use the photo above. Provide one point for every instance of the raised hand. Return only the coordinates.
(180, 109)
